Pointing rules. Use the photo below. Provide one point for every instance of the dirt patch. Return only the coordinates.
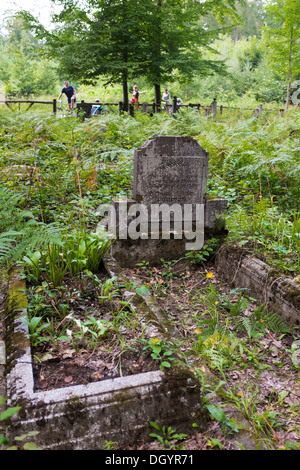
(86, 367)
(88, 333)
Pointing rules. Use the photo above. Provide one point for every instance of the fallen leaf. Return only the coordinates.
(97, 375)
(68, 379)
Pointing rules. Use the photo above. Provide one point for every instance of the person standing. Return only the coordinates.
(70, 93)
(167, 98)
(135, 95)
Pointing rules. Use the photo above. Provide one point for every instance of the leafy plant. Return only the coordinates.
(160, 350)
(35, 330)
(205, 253)
(4, 441)
(259, 321)
(228, 425)
(167, 436)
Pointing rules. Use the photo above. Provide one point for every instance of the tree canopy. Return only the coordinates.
(122, 39)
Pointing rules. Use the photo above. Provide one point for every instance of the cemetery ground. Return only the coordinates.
(54, 175)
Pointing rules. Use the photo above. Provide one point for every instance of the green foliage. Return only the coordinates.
(259, 321)
(35, 328)
(282, 38)
(268, 231)
(220, 328)
(73, 254)
(205, 253)
(22, 70)
(229, 425)
(107, 41)
(160, 350)
(5, 442)
(167, 436)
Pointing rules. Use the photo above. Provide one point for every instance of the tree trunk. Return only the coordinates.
(125, 91)
(157, 97)
(236, 38)
(288, 92)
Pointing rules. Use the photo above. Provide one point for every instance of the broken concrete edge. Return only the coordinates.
(157, 322)
(98, 411)
(279, 293)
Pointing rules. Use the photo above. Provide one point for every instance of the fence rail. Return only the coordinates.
(209, 109)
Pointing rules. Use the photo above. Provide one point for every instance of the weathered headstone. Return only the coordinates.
(170, 170)
(169, 196)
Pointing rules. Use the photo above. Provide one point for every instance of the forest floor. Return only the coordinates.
(260, 387)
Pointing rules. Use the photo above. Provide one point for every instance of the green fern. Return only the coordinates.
(14, 244)
(259, 321)
(269, 320)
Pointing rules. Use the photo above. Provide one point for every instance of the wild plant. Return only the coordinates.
(5, 441)
(228, 425)
(205, 253)
(35, 330)
(90, 331)
(264, 229)
(160, 350)
(109, 290)
(167, 436)
(73, 254)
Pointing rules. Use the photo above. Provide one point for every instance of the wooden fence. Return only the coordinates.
(208, 110)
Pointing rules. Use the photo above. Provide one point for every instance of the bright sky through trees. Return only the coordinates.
(40, 8)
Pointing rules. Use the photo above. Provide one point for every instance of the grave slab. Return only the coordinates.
(84, 417)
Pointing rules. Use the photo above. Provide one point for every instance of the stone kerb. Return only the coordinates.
(83, 417)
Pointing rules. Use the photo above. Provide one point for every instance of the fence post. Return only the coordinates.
(145, 108)
(174, 105)
(221, 109)
(131, 112)
(120, 107)
(54, 106)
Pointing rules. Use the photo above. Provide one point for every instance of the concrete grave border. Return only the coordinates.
(83, 417)
(280, 293)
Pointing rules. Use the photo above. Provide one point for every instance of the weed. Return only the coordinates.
(228, 425)
(4, 441)
(160, 350)
(167, 437)
(203, 255)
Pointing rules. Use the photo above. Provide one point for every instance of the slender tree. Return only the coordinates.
(283, 40)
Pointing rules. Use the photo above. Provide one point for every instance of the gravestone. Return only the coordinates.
(170, 170)
(169, 187)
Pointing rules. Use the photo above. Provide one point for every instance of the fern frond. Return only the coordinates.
(13, 244)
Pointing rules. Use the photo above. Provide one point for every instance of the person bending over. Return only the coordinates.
(70, 93)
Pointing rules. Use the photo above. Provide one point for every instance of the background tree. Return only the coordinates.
(22, 69)
(122, 39)
(282, 37)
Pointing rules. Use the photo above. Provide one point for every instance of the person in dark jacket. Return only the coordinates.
(70, 93)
